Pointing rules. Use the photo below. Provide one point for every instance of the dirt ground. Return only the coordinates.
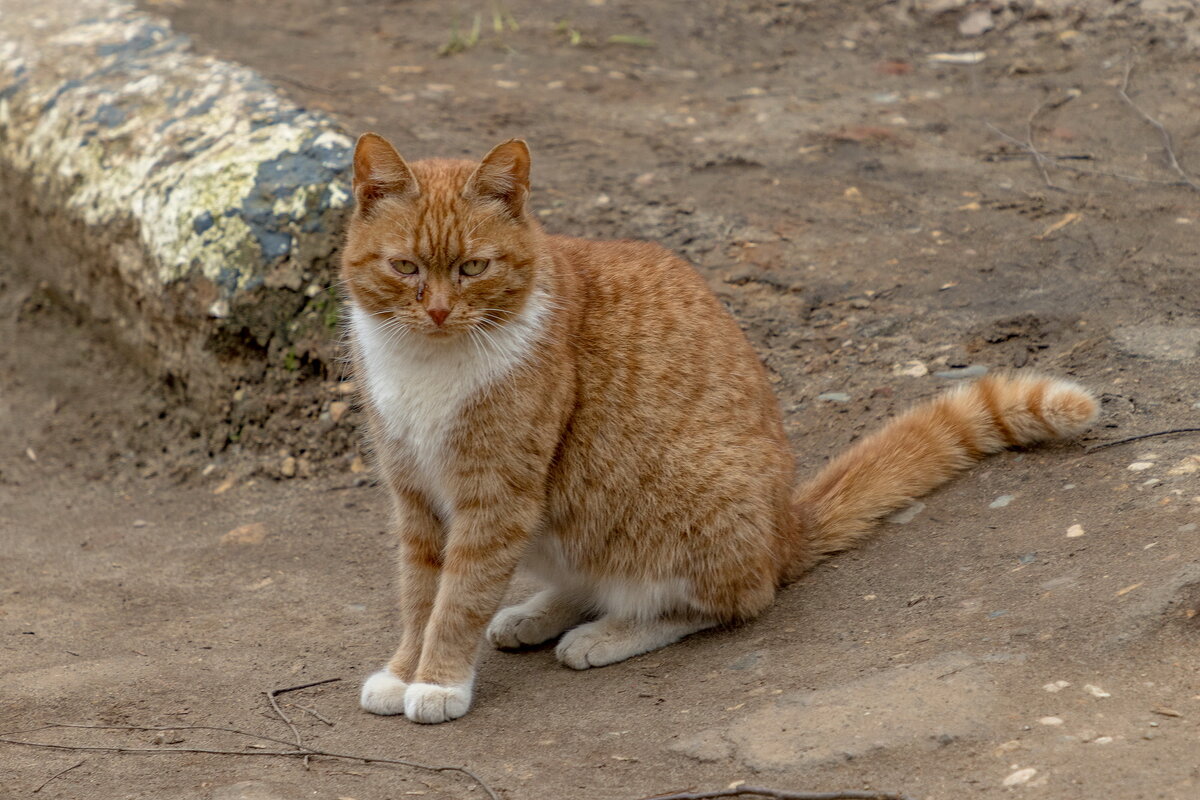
(874, 218)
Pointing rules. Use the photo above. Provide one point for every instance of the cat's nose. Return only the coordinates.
(438, 315)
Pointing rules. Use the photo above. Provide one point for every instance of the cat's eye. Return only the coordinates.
(402, 266)
(474, 267)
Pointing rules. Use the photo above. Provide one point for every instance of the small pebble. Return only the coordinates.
(1103, 740)
(287, 467)
(834, 397)
(1051, 720)
(1057, 686)
(973, 371)
(1020, 776)
(1095, 691)
(140, 523)
(209, 470)
(1138, 466)
(913, 369)
(253, 533)
(906, 515)
(1166, 712)
(337, 410)
(1075, 531)
(1001, 501)
(1188, 466)
(976, 22)
(1188, 528)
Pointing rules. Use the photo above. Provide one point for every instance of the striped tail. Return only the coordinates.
(929, 444)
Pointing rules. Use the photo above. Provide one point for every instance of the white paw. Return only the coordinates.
(516, 627)
(593, 645)
(383, 693)
(429, 702)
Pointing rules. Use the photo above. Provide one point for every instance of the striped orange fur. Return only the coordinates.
(590, 411)
(928, 445)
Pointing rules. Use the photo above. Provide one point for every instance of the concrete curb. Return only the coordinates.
(173, 198)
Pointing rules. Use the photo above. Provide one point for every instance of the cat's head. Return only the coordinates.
(441, 247)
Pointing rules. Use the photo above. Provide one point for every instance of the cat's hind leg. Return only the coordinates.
(539, 619)
(611, 639)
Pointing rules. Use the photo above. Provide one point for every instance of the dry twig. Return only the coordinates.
(304, 686)
(781, 794)
(57, 774)
(1038, 157)
(1168, 147)
(1042, 160)
(1058, 162)
(300, 751)
(1096, 447)
(314, 713)
(271, 695)
(287, 721)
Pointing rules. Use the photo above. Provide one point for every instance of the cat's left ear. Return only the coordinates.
(380, 172)
(502, 176)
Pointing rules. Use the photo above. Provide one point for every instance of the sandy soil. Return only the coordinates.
(848, 199)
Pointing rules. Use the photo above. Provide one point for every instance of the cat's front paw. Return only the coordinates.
(383, 693)
(429, 702)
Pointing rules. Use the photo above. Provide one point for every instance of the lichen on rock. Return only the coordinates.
(194, 177)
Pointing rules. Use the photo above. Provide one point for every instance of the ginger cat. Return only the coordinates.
(589, 410)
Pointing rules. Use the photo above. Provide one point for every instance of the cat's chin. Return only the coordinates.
(441, 334)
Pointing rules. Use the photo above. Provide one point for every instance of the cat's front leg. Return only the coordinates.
(481, 555)
(420, 535)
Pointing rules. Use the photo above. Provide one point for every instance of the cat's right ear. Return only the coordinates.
(380, 172)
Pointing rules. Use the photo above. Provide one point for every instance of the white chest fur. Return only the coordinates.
(420, 386)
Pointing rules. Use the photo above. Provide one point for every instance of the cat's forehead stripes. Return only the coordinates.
(442, 229)
(445, 236)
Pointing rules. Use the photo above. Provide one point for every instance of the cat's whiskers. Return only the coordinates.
(395, 330)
